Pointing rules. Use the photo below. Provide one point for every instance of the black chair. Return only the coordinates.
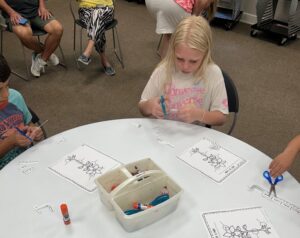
(36, 120)
(233, 100)
(111, 26)
(35, 32)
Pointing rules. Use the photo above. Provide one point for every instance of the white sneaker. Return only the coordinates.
(37, 65)
(53, 60)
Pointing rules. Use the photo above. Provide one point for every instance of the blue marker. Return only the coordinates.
(23, 133)
(163, 105)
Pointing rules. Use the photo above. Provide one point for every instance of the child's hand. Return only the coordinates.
(34, 132)
(156, 108)
(281, 163)
(190, 113)
(16, 138)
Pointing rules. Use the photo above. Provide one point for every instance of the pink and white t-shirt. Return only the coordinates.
(209, 94)
(187, 5)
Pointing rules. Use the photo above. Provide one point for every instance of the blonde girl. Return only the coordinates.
(190, 83)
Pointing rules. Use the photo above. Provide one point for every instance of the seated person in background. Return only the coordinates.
(13, 114)
(187, 79)
(168, 13)
(284, 160)
(21, 16)
(96, 14)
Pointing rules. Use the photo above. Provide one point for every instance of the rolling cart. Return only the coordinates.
(265, 10)
(228, 13)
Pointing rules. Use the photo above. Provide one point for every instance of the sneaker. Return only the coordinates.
(53, 60)
(84, 59)
(110, 71)
(37, 65)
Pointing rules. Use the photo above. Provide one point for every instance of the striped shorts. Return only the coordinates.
(95, 20)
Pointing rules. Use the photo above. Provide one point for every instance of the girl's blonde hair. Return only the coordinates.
(195, 32)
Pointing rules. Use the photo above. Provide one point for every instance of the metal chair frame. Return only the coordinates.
(111, 26)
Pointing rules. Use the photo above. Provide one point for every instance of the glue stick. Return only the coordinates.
(65, 213)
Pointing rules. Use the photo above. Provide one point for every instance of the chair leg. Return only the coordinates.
(13, 72)
(26, 65)
(63, 63)
(120, 56)
(74, 47)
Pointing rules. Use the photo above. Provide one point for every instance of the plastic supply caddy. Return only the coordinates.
(141, 181)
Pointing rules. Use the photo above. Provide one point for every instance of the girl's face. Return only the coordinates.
(187, 60)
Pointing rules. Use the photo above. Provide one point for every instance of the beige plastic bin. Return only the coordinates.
(142, 187)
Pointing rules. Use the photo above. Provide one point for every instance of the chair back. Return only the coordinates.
(233, 99)
(36, 120)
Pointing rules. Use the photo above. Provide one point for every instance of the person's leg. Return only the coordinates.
(103, 17)
(164, 45)
(55, 31)
(24, 33)
(85, 17)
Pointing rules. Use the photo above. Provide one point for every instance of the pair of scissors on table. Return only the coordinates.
(268, 177)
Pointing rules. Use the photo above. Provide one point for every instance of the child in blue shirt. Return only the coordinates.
(13, 114)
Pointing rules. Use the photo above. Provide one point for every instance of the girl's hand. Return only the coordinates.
(156, 108)
(44, 13)
(35, 133)
(281, 163)
(16, 138)
(189, 113)
(15, 18)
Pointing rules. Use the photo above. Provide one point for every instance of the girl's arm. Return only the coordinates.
(200, 5)
(284, 160)
(213, 118)
(191, 113)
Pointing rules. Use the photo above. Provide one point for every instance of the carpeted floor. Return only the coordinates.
(267, 77)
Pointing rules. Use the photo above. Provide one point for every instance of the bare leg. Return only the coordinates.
(164, 45)
(89, 48)
(55, 31)
(104, 60)
(24, 33)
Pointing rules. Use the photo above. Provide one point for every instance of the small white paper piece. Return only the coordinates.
(212, 160)
(83, 165)
(244, 222)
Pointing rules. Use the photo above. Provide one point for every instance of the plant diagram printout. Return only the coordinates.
(239, 223)
(83, 165)
(212, 160)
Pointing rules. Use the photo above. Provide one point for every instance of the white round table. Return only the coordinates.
(128, 140)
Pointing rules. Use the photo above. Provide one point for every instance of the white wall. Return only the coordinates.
(249, 8)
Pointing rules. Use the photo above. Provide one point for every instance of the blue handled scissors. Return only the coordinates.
(268, 177)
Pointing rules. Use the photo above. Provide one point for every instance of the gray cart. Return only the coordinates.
(228, 13)
(284, 31)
